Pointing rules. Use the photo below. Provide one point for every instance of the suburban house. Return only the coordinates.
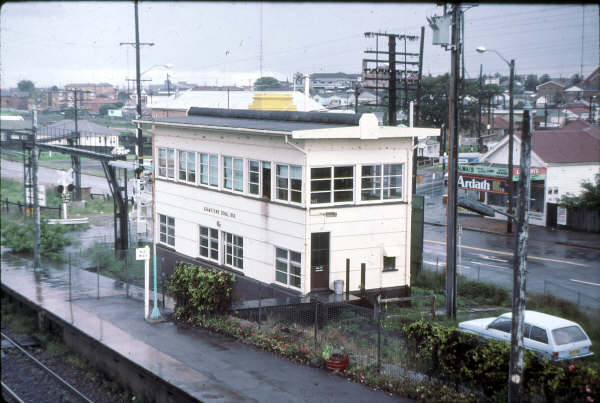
(285, 199)
(496, 127)
(91, 135)
(178, 104)
(552, 90)
(560, 160)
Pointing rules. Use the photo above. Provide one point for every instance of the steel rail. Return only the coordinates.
(67, 384)
(11, 393)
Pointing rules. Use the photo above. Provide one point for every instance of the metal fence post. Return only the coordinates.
(98, 279)
(259, 304)
(316, 322)
(379, 341)
(126, 273)
(478, 271)
(545, 286)
(70, 296)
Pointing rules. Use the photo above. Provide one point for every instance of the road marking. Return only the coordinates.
(491, 265)
(511, 254)
(495, 259)
(585, 282)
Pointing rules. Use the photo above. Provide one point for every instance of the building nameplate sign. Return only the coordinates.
(219, 212)
(491, 185)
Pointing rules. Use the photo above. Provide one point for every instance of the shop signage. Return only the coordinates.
(469, 182)
(537, 173)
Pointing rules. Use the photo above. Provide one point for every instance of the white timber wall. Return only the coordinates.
(360, 233)
(568, 177)
(263, 225)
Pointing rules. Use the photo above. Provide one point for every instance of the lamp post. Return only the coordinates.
(511, 65)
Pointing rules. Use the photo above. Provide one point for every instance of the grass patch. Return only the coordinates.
(56, 348)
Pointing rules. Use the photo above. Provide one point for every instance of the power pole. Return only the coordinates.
(137, 44)
(168, 86)
(510, 144)
(479, 142)
(392, 82)
(75, 161)
(453, 122)
(515, 370)
(36, 201)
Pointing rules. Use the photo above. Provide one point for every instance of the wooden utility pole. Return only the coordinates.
(510, 144)
(453, 123)
(36, 198)
(515, 371)
(392, 83)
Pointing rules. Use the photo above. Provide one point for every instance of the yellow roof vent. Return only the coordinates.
(272, 102)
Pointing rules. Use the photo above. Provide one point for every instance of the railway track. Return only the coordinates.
(26, 379)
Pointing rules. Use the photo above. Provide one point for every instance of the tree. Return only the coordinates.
(576, 79)
(26, 86)
(266, 84)
(544, 78)
(531, 82)
(123, 96)
(589, 198)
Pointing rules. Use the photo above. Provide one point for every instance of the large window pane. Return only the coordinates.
(162, 162)
(253, 177)
(167, 229)
(214, 170)
(288, 267)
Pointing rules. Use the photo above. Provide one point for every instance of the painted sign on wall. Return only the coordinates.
(537, 173)
(492, 185)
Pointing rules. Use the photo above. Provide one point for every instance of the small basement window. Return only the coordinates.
(389, 263)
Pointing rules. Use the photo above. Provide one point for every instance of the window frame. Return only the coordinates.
(187, 166)
(233, 174)
(210, 170)
(288, 263)
(258, 184)
(234, 248)
(386, 270)
(167, 226)
(332, 184)
(288, 189)
(209, 246)
(381, 181)
(166, 166)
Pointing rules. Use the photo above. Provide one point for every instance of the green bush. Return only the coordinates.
(463, 359)
(53, 238)
(198, 290)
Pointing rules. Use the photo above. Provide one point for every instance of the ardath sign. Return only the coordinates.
(469, 182)
(537, 173)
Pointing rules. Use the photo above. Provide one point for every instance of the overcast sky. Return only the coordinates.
(55, 43)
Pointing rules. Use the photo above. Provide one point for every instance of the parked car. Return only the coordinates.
(548, 336)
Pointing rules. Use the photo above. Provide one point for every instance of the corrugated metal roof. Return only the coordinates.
(84, 126)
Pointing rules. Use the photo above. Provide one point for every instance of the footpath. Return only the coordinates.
(536, 233)
(207, 366)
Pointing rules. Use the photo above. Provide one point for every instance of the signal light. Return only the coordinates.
(60, 188)
(70, 187)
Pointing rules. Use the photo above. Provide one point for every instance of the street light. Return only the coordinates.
(511, 65)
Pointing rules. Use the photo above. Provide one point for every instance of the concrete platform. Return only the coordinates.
(202, 365)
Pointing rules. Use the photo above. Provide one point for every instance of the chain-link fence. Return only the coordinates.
(371, 338)
(582, 300)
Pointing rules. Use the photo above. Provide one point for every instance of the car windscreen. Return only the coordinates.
(569, 334)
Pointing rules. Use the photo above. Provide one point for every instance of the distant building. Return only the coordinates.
(332, 82)
(92, 90)
(551, 90)
(91, 134)
(18, 100)
(560, 160)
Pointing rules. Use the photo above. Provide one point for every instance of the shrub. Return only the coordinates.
(198, 290)
(53, 238)
(463, 359)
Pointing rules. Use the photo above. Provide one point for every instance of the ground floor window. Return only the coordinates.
(209, 243)
(167, 229)
(287, 267)
(233, 246)
(389, 263)
(537, 196)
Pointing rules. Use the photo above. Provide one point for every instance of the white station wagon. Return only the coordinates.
(549, 336)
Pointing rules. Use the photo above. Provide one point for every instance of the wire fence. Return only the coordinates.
(18, 209)
(372, 338)
(582, 300)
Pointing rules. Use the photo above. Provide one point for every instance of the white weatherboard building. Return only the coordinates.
(286, 198)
